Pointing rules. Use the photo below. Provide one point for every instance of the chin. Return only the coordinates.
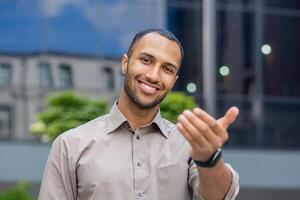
(146, 105)
(142, 100)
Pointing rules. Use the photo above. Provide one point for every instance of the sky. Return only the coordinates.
(103, 27)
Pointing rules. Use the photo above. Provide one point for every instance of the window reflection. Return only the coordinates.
(5, 122)
(65, 74)
(5, 74)
(109, 78)
(45, 73)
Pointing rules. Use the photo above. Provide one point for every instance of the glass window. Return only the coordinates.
(235, 61)
(249, 50)
(185, 21)
(235, 2)
(281, 81)
(5, 74)
(5, 122)
(281, 123)
(281, 61)
(46, 80)
(287, 4)
(65, 75)
(235, 73)
(109, 78)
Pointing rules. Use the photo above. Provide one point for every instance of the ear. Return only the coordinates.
(124, 63)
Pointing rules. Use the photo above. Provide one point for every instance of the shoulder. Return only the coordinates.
(88, 129)
(172, 131)
(165, 121)
(83, 135)
(168, 126)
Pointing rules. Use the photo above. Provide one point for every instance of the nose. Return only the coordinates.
(153, 74)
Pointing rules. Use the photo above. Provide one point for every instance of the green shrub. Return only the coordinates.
(19, 192)
(174, 104)
(66, 110)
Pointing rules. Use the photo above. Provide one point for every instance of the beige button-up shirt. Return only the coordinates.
(105, 159)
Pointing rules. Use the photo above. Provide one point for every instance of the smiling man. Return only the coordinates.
(132, 152)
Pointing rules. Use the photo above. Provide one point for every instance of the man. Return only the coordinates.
(132, 152)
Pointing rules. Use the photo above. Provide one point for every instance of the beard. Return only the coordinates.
(131, 93)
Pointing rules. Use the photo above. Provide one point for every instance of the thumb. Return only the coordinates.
(229, 117)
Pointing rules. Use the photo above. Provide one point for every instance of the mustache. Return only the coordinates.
(153, 82)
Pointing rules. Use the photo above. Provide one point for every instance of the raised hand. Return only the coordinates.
(204, 133)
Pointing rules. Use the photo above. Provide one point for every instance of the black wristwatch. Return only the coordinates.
(212, 161)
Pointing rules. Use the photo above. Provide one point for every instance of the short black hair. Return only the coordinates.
(162, 32)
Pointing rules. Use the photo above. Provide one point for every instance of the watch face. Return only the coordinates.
(216, 154)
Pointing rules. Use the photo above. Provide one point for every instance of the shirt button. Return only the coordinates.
(140, 194)
(139, 164)
(138, 137)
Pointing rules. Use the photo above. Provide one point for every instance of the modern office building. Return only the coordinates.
(256, 45)
(251, 53)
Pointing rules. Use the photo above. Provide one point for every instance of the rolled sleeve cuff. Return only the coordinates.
(235, 187)
(230, 195)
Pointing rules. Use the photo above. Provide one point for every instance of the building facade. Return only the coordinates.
(256, 66)
(27, 79)
(254, 46)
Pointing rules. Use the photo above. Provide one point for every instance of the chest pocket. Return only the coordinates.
(173, 182)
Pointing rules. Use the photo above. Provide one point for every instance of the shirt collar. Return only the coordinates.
(116, 119)
(159, 121)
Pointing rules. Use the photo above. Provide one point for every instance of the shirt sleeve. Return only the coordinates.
(194, 183)
(59, 179)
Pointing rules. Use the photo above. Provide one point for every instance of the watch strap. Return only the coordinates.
(212, 161)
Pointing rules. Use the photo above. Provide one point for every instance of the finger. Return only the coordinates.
(229, 117)
(201, 126)
(192, 131)
(212, 123)
(187, 136)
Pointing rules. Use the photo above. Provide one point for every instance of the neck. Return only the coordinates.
(134, 114)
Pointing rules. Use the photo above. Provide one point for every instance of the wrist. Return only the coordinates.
(211, 162)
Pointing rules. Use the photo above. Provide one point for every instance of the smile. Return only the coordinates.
(148, 89)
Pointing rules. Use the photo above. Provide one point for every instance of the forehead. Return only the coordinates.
(158, 46)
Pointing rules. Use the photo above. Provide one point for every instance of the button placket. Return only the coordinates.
(139, 195)
(140, 169)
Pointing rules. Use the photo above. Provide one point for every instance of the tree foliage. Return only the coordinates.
(19, 192)
(66, 110)
(174, 104)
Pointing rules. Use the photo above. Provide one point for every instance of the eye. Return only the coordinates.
(145, 60)
(169, 69)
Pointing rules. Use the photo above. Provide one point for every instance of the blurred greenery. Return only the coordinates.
(19, 192)
(174, 104)
(66, 110)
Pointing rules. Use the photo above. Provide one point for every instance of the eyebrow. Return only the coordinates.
(152, 57)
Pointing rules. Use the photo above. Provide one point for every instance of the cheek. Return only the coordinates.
(169, 82)
(133, 70)
(129, 73)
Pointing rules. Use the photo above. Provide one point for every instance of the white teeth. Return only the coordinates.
(148, 87)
